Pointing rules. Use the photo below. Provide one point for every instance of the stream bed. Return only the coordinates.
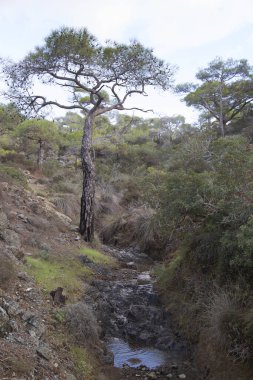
(137, 330)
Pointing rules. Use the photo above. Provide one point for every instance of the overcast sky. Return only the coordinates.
(188, 33)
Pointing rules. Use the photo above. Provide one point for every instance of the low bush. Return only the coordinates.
(225, 325)
(50, 167)
(67, 204)
(12, 174)
(18, 359)
(82, 324)
(66, 186)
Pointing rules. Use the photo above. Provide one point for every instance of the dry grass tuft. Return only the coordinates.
(67, 204)
(225, 326)
(218, 311)
(107, 202)
(135, 226)
(82, 324)
(15, 359)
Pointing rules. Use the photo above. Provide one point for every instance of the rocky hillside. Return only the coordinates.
(39, 253)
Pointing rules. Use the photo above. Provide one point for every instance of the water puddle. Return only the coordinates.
(134, 357)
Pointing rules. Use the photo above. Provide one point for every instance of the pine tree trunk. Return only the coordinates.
(222, 125)
(87, 201)
(41, 153)
(221, 118)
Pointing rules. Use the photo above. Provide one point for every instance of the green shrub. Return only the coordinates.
(50, 167)
(4, 152)
(66, 186)
(13, 174)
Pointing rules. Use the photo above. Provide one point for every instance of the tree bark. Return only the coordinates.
(221, 116)
(88, 193)
(222, 124)
(41, 153)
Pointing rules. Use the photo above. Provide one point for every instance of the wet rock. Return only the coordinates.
(131, 265)
(146, 336)
(108, 358)
(143, 278)
(166, 343)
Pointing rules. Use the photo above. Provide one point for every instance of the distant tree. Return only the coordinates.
(99, 79)
(170, 128)
(41, 132)
(71, 122)
(226, 89)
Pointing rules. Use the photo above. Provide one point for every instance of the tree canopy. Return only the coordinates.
(99, 78)
(225, 90)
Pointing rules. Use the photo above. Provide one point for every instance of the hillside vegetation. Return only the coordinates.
(181, 193)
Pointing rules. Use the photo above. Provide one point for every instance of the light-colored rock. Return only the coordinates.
(44, 351)
(4, 322)
(4, 186)
(69, 376)
(152, 375)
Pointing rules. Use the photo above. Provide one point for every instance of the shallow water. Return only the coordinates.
(133, 356)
